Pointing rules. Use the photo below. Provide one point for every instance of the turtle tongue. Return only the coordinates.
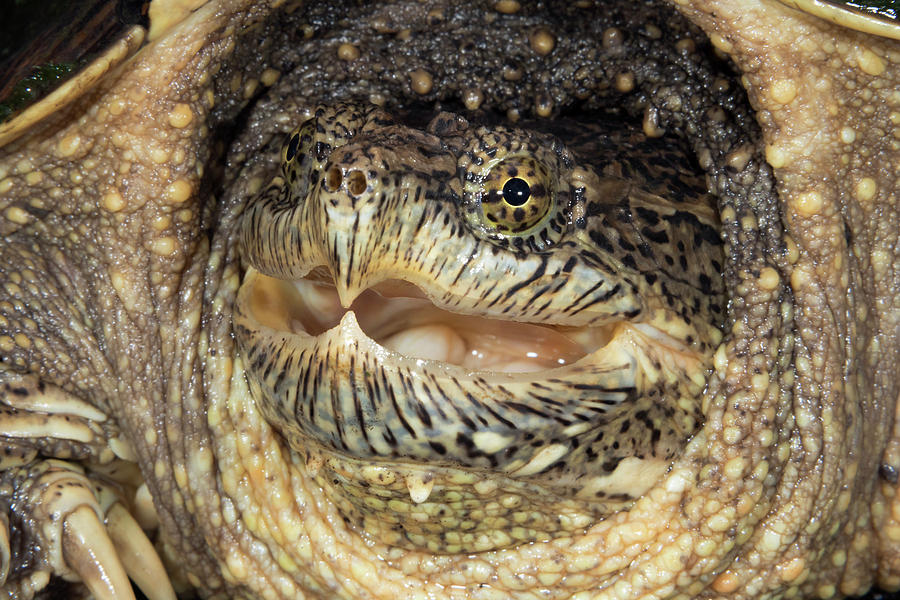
(397, 316)
(482, 344)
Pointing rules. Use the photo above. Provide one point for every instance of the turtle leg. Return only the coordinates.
(61, 519)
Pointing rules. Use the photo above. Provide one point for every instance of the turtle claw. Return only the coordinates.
(138, 555)
(88, 551)
(73, 526)
(41, 419)
(5, 552)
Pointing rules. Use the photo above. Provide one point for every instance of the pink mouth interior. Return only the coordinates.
(398, 316)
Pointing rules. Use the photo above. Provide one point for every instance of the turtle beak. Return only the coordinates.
(343, 217)
(351, 217)
(362, 217)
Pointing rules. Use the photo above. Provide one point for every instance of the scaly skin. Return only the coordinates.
(114, 295)
(495, 448)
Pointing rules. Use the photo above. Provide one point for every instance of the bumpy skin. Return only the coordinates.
(633, 274)
(120, 273)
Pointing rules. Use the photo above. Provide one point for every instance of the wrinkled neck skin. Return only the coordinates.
(791, 482)
(799, 409)
(843, 428)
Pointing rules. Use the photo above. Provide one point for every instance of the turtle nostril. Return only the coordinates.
(356, 182)
(333, 179)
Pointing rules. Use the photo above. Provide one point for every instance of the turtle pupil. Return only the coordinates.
(516, 191)
(292, 147)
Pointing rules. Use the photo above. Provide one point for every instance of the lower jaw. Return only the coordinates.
(447, 510)
(414, 502)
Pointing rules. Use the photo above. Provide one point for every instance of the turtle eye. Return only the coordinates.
(516, 195)
(298, 143)
(291, 150)
(296, 159)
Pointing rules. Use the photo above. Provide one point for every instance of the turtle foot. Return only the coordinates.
(60, 524)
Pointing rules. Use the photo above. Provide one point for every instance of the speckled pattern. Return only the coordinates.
(605, 258)
(126, 405)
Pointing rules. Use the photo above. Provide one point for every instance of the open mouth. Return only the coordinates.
(459, 410)
(383, 330)
(399, 317)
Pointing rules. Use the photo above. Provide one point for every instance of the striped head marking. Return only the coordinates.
(458, 314)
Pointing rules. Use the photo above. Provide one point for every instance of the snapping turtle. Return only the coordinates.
(181, 243)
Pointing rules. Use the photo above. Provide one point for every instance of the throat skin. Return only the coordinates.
(793, 470)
